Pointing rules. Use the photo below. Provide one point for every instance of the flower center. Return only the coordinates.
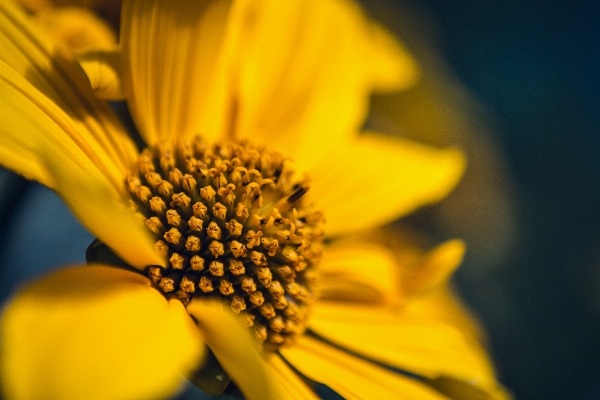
(233, 222)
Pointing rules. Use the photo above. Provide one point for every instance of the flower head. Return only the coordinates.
(214, 217)
(235, 226)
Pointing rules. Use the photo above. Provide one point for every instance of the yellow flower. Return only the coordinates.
(292, 75)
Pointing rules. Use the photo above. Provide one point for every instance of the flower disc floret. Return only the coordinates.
(233, 222)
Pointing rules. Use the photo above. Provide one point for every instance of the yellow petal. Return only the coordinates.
(376, 179)
(350, 376)
(358, 271)
(393, 67)
(41, 142)
(442, 305)
(306, 71)
(95, 332)
(235, 349)
(173, 66)
(439, 304)
(103, 71)
(77, 28)
(424, 347)
(435, 268)
(292, 387)
(58, 77)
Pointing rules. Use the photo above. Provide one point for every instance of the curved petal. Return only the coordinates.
(306, 71)
(55, 131)
(352, 377)
(174, 74)
(393, 66)
(424, 347)
(77, 28)
(58, 77)
(358, 271)
(376, 179)
(95, 332)
(103, 71)
(235, 349)
(435, 268)
(36, 138)
(294, 75)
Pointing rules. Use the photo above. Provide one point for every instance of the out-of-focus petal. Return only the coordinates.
(36, 139)
(352, 377)
(375, 179)
(425, 347)
(306, 71)
(435, 267)
(37, 5)
(103, 70)
(457, 389)
(357, 271)
(174, 74)
(393, 67)
(95, 332)
(57, 76)
(235, 349)
(77, 28)
(442, 305)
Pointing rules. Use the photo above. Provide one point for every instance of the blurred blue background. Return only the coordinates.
(532, 68)
(536, 63)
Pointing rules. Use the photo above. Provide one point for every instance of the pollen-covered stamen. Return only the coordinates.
(233, 223)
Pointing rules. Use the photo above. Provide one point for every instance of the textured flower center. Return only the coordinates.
(233, 222)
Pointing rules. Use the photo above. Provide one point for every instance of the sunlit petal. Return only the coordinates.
(375, 179)
(356, 271)
(307, 69)
(235, 349)
(173, 66)
(57, 76)
(95, 332)
(425, 347)
(36, 141)
(352, 377)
